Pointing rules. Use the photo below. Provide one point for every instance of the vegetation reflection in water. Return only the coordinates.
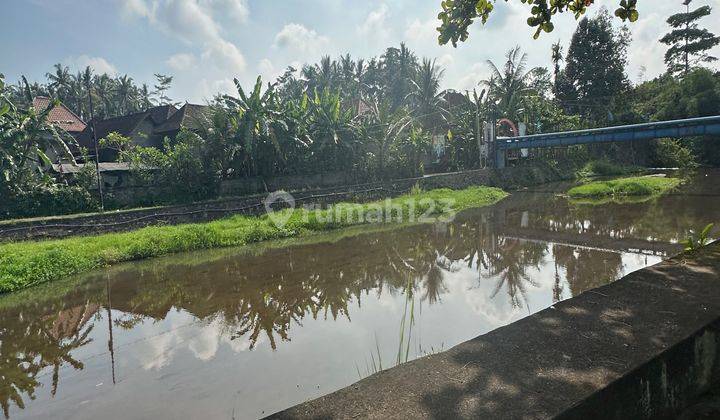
(293, 303)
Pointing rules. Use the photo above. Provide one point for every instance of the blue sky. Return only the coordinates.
(205, 43)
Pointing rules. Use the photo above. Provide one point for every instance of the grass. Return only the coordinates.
(24, 264)
(625, 187)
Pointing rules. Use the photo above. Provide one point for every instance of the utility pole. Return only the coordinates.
(95, 145)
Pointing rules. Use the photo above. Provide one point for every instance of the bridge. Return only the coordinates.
(691, 127)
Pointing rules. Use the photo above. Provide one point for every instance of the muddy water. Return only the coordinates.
(243, 333)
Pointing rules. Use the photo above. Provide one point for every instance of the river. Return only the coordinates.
(245, 332)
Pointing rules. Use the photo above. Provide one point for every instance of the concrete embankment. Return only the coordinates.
(644, 346)
(60, 227)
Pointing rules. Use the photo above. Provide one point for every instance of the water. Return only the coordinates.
(243, 333)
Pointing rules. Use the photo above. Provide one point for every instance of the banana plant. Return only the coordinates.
(26, 136)
(256, 119)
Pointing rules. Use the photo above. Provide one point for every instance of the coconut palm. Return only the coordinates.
(103, 88)
(425, 98)
(124, 94)
(508, 87)
(60, 81)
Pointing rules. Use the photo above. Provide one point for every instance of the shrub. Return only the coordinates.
(48, 200)
(671, 153)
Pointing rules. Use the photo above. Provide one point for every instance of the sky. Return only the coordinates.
(204, 44)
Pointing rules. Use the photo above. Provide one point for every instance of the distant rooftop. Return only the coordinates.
(60, 115)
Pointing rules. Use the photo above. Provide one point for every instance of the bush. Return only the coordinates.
(671, 153)
(48, 200)
(604, 167)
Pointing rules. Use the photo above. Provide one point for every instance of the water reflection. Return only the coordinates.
(320, 313)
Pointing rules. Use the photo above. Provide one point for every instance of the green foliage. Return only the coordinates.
(457, 15)
(184, 167)
(688, 43)
(24, 264)
(48, 200)
(510, 87)
(604, 167)
(697, 94)
(595, 73)
(671, 153)
(696, 241)
(635, 186)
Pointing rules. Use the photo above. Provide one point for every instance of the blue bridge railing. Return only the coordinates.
(664, 129)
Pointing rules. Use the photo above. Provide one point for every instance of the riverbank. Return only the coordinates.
(128, 220)
(641, 186)
(24, 264)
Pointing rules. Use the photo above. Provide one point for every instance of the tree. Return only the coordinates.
(425, 98)
(124, 93)
(256, 119)
(688, 43)
(161, 89)
(458, 15)
(508, 87)
(398, 68)
(556, 57)
(25, 137)
(594, 74)
(332, 131)
(60, 81)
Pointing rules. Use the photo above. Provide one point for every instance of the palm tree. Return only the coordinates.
(425, 98)
(508, 87)
(60, 81)
(103, 88)
(399, 65)
(77, 94)
(557, 57)
(124, 94)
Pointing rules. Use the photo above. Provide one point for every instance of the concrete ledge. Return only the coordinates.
(642, 347)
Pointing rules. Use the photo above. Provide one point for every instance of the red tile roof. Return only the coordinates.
(60, 116)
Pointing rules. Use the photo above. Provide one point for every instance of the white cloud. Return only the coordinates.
(266, 66)
(299, 39)
(209, 88)
(445, 61)
(98, 64)
(422, 31)
(478, 72)
(375, 27)
(181, 62)
(225, 56)
(137, 7)
(193, 22)
(235, 9)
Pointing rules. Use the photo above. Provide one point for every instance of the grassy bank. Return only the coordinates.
(24, 264)
(625, 187)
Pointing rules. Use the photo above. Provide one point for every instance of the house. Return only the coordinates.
(63, 118)
(147, 128)
(60, 116)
